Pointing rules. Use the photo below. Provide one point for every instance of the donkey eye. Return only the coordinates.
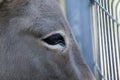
(55, 39)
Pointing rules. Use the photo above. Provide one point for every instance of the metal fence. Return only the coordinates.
(106, 38)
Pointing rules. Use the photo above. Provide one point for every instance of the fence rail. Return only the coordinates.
(106, 35)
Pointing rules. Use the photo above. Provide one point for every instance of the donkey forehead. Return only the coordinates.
(46, 16)
(35, 14)
(45, 8)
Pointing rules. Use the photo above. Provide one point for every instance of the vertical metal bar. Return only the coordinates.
(101, 42)
(111, 41)
(104, 41)
(119, 52)
(117, 41)
(95, 37)
(107, 42)
(118, 35)
(114, 31)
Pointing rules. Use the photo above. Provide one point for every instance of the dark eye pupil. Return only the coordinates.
(55, 39)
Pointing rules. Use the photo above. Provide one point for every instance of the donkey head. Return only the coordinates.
(36, 43)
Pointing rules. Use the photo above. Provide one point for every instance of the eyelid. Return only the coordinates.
(52, 33)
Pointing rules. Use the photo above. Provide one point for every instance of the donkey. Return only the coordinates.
(37, 44)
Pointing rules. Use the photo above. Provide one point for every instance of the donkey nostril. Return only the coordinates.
(55, 39)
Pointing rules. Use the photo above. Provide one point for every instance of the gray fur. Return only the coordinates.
(23, 56)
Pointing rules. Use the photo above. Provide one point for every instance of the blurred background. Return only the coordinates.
(96, 26)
